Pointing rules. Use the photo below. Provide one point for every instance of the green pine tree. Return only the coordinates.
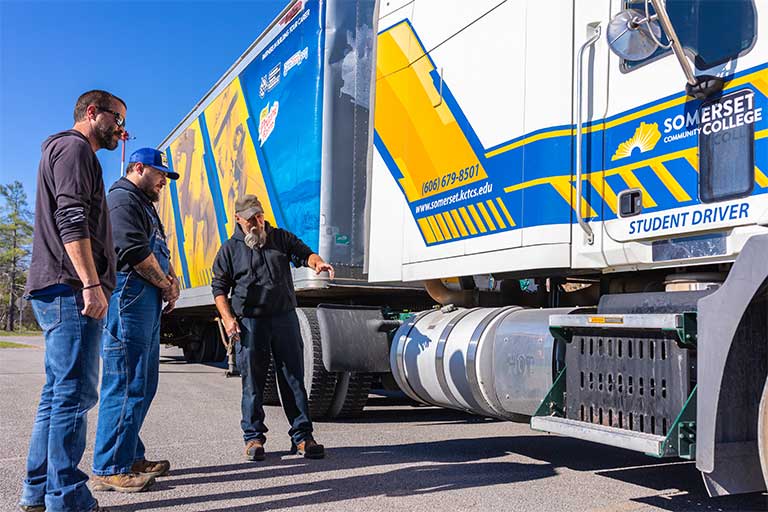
(15, 246)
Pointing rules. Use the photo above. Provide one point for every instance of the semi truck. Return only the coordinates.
(548, 212)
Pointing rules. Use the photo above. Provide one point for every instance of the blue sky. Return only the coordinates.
(161, 57)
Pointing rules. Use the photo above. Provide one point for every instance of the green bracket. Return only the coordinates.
(554, 403)
(561, 333)
(687, 334)
(681, 438)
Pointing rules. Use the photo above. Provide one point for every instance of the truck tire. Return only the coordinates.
(320, 384)
(271, 396)
(203, 348)
(351, 395)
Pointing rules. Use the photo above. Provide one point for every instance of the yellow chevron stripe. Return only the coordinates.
(496, 214)
(451, 225)
(476, 218)
(486, 217)
(426, 230)
(435, 228)
(670, 182)
(568, 192)
(760, 178)
(606, 192)
(761, 134)
(506, 212)
(443, 227)
(467, 220)
(693, 160)
(459, 224)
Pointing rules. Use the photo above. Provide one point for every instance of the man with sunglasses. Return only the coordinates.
(131, 343)
(255, 266)
(70, 276)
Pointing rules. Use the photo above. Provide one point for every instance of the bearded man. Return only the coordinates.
(131, 343)
(255, 266)
(71, 276)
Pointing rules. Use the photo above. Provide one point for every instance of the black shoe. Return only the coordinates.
(32, 508)
(309, 449)
(254, 450)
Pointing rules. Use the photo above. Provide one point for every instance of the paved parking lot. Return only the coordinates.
(394, 458)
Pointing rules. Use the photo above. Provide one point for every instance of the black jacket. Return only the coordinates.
(260, 279)
(132, 225)
(70, 205)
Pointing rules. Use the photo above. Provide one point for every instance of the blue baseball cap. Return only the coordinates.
(153, 158)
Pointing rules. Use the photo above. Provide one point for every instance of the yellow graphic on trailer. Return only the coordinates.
(165, 211)
(645, 139)
(234, 153)
(201, 237)
(422, 134)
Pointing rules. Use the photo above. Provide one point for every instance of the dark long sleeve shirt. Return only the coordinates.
(260, 279)
(70, 205)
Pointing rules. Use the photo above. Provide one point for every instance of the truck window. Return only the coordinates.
(714, 31)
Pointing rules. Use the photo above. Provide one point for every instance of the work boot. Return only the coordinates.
(151, 467)
(309, 449)
(32, 508)
(122, 482)
(254, 450)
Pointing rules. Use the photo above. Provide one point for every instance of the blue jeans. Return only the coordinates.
(280, 335)
(131, 362)
(59, 432)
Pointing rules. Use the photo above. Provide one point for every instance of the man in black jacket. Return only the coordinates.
(255, 266)
(70, 277)
(131, 343)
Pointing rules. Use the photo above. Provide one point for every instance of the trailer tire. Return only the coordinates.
(271, 395)
(319, 383)
(203, 348)
(351, 395)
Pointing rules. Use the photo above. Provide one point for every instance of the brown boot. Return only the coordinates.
(254, 450)
(122, 482)
(309, 449)
(151, 467)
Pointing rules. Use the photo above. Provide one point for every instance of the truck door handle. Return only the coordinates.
(589, 236)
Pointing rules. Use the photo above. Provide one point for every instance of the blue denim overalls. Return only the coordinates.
(131, 358)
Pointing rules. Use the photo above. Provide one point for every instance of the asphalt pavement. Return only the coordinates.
(394, 458)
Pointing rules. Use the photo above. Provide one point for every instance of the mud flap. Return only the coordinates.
(351, 339)
(732, 367)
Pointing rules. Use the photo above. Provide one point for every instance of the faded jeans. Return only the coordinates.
(59, 433)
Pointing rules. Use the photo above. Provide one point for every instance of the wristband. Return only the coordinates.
(91, 286)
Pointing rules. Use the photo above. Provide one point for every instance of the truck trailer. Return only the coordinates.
(579, 186)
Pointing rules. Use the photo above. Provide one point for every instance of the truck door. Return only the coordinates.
(683, 178)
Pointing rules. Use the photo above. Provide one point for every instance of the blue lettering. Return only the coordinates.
(708, 214)
(696, 218)
(733, 212)
(656, 223)
(744, 210)
(632, 228)
(665, 224)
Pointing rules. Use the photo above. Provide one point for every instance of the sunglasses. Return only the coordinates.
(119, 119)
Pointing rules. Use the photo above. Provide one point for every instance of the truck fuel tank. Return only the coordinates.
(497, 362)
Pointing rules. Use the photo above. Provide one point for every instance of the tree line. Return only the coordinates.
(15, 251)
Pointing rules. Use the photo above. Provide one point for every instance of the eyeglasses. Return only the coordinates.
(119, 119)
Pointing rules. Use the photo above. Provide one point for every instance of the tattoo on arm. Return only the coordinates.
(150, 270)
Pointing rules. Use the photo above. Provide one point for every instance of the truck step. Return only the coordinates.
(662, 321)
(636, 441)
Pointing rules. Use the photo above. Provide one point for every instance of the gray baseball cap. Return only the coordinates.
(247, 206)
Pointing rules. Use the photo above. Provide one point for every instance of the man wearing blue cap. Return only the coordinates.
(131, 345)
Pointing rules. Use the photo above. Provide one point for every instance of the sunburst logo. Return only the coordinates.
(645, 139)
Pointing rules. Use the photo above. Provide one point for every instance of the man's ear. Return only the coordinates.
(90, 111)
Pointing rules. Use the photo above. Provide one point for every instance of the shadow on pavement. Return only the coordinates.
(400, 482)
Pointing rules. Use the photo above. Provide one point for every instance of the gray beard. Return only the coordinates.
(255, 238)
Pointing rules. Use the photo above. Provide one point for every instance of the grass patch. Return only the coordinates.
(20, 333)
(10, 344)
